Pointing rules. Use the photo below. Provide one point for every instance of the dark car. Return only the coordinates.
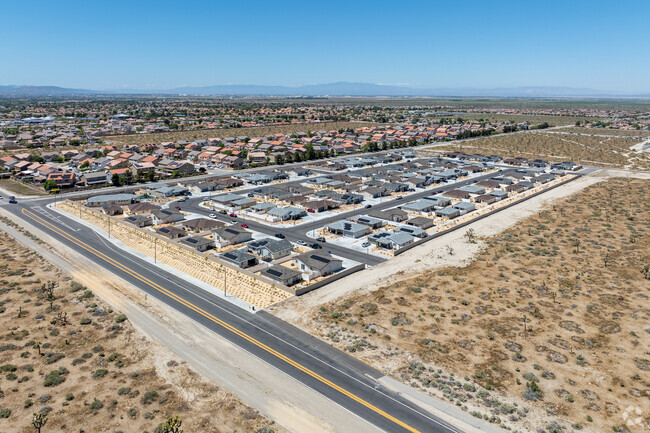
(316, 246)
(279, 235)
(368, 206)
(321, 239)
(223, 212)
(12, 199)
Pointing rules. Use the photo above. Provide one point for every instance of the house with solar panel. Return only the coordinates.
(231, 235)
(282, 275)
(239, 258)
(314, 264)
(270, 248)
(348, 229)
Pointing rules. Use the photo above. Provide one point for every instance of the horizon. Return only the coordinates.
(150, 46)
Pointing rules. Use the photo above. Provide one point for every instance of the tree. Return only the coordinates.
(38, 421)
(116, 180)
(37, 346)
(172, 425)
(151, 176)
(471, 236)
(49, 185)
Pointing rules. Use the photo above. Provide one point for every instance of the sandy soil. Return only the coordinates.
(547, 327)
(112, 377)
(431, 255)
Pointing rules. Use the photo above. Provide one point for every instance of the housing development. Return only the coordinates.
(296, 217)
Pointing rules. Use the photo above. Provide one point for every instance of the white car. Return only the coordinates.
(301, 242)
(212, 215)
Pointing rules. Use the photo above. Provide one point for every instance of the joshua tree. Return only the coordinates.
(646, 272)
(576, 244)
(450, 250)
(38, 421)
(471, 236)
(37, 346)
(607, 258)
(172, 425)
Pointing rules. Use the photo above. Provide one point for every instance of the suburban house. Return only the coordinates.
(231, 235)
(63, 180)
(348, 229)
(314, 264)
(199, 243)
(165, 216)
(141, 208)
(391, 241)
(171, 232)
(420, 222)
(139, 220)
(270, 249)
(97, 178)
(239, 258)
(104, 199)
(283, 275)
(198, 225)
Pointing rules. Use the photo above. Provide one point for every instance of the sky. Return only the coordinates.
(141, 44)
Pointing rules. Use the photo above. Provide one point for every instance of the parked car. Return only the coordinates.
(321, 239)
(279, 235)
(250, 194)
(223, 212)
(301, 242)
(212, 215)
(182, 199)
(368, 206)
(233, 221)
(365, 244)
(311, 210)
(177, 207)
(245, 226)
(399, 197)
(233, 215)
(316, 246)
(434, 193)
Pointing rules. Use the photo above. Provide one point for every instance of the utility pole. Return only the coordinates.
(155, 250)
(109, 226)
(225, 284)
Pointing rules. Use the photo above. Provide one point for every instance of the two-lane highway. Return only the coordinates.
(335, 375)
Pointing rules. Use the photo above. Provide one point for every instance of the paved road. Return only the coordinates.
(330, 372)
(300, 231)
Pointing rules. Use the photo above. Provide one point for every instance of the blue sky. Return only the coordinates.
(143, 44)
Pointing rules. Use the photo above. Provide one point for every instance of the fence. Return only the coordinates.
(330, 279)
(480, 217)
(242, 284)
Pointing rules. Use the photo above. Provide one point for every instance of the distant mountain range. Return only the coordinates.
(331, 89)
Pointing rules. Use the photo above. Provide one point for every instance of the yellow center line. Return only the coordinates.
(216, 320)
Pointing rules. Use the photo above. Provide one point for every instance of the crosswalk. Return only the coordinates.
(50, 216)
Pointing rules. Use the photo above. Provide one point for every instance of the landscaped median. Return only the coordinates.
(239, 283)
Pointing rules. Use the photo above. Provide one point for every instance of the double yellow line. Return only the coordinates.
(215, 320)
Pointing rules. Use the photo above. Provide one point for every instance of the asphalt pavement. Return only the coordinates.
(330, 372)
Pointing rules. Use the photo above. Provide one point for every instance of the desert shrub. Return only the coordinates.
(532, 392)
(52, 357)
(54, 378)
(69, 396)
(76, 287)
(8, 368)
(98, 374)
(149, 397)
(5, 413)
(87, 294)
(28, 403)
(120, 318)
(85, 321)
(113, 357)
(123, 390)
(96, 405)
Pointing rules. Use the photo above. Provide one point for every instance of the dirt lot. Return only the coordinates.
(262, 131)
(547, 326)
(605, 131)
(610, 152)
(74, 358)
